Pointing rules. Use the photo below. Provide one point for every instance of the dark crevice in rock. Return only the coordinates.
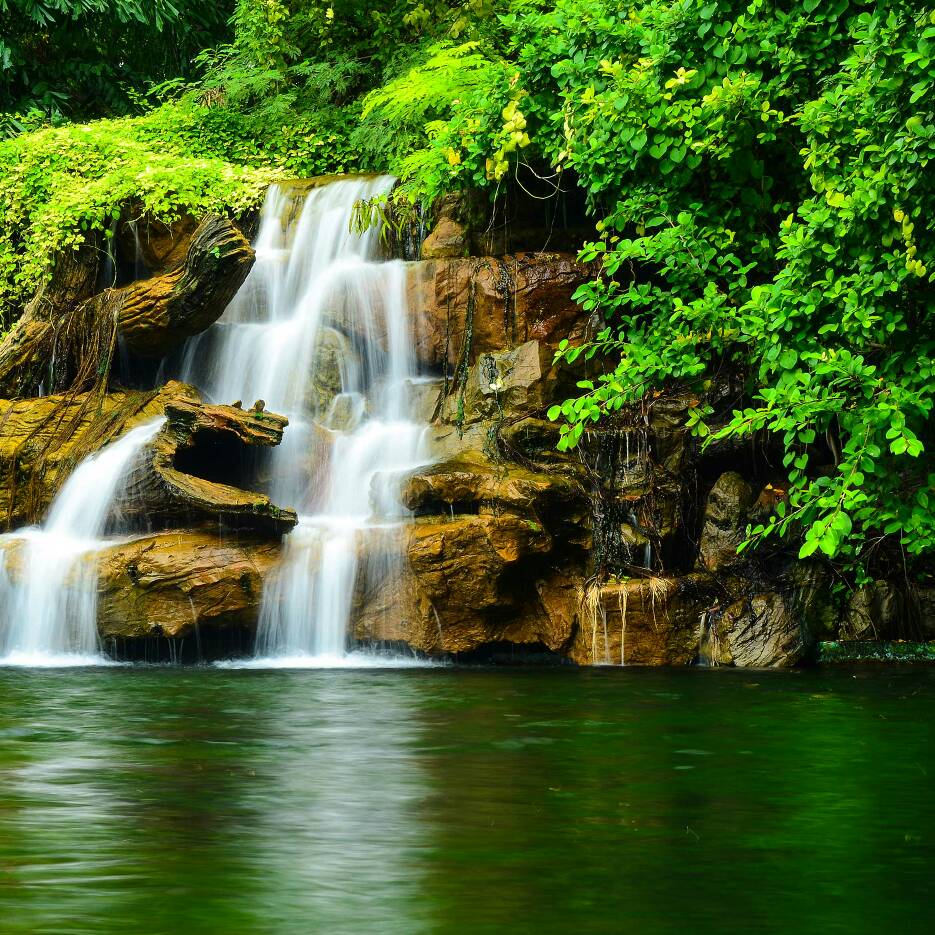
(444, 510)
(206, 645)
(220, 457)
(506, 653)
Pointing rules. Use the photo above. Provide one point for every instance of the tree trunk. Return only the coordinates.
(156, 315)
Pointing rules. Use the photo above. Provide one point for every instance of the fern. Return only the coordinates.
(394, 116)
(427, 90)
(330, 82)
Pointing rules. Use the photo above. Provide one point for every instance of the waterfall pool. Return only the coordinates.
(180, 800)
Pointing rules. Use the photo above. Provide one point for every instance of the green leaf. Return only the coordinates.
(788, 359)
(809, 547)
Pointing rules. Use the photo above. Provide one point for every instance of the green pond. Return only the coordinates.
(445, 800)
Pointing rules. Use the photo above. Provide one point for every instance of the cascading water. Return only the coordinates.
(48, 604)
(320, 332)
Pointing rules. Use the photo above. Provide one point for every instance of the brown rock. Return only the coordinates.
(762, 631)
(332, 356)
(156, 315)
(642, 621)
(875, 611)
(43, 439)
(456, 586)
(448, 239)
(923, 603)
(23, 369)
(174, 582)
(504, 385)
(532, 439)
(196, 469)
(725, 521)
(468, 481)
(467, 307)
(550, 614)
(425, 399)
(196, 466)
(668, 415)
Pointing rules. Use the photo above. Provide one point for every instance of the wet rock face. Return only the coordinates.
(332, 356)
(725, 521)
(155, 246)
(502, 384)
(642, 621)
(470, 483)
(155, 316)
(448, 239)
(470, 582)
(43, 439)
(762, 631)
(172, 583)
(924, 601)
(199, 467)
(468, 307)
(875, 611)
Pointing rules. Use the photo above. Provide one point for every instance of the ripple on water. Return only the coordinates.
(352, 660)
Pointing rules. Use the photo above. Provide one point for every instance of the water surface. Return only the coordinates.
(160, 800)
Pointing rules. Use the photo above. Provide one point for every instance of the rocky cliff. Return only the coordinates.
(624, 552)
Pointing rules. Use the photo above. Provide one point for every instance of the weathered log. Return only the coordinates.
(73, 279)
(142, 240)
(24, 358)
(198, 468)
(65, 339)
(201, 465)
(156, 315)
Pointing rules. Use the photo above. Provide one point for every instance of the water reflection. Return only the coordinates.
(452, 801)
(204, 802)
(345, 845)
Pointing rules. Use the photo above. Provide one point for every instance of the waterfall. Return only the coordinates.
(709, 641)
(320, 332)
(48, 587)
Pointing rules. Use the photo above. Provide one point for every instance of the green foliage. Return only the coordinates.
(766, 203)
(58, 184)
(405, 119)
(760, 175)
(87, 58)
(426, 91)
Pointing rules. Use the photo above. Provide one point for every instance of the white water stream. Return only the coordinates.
(48, 604)
(320, 332)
